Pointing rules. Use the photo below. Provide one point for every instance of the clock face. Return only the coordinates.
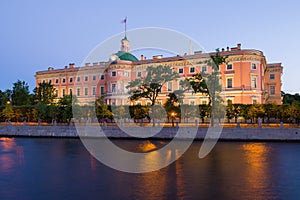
(113, 57)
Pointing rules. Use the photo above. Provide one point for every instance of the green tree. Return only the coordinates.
(102, 110)
(40, 110)
(229, 111)
(149, 87)
(256, 111)
(45, 93)
(5, 97)
(8, 112)
(209, 84)
(65, 104)
(20, 93)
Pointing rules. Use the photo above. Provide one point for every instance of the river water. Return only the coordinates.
(49, 168)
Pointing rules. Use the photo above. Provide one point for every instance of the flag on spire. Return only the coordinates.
(124, 20)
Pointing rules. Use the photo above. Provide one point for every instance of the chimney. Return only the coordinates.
(239, 46)
(223, 49)
(227, 49)
(50, 68)
(71, 65)
(143, 57)
(87, 64)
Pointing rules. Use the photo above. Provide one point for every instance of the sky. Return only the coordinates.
(37, 34)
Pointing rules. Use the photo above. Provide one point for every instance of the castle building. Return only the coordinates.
(246, 77)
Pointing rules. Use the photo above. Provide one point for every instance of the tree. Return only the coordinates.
(20, 93)
(44, 93)
(102, 110)
(229, 111)
(149, 87)
(5, 97)
(209, 84)
(8, 112)
(256, 111)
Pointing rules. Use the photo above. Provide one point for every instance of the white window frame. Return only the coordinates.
(191, 69)
(204, 67)
(228, 65)
(94, 90)
(271, 90)
(232, 84)
(138, 74)
(256, 84)
(170, 83)
(253, 64)
(180, 72)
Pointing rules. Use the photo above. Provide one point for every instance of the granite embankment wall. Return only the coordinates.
(248, 134)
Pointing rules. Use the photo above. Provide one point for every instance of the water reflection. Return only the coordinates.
(256, 172)
(11, 155)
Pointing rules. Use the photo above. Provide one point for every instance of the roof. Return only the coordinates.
(126, 56)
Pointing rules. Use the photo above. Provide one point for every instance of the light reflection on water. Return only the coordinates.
(35, 168)
(11, 155)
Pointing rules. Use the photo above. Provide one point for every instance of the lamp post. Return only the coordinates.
(173, 115)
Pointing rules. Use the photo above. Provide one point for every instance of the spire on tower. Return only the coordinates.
(124, 21)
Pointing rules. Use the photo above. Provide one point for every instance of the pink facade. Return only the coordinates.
(246, 77)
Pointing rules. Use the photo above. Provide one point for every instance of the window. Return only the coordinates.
(50, 81)
(254, 101)
(113, 73)
(203, 102)
(119, 73)
(64, 80)
(56, 80)
(102, 77)
(229, 67)
(204, 69)
(94, 78)
(71, 91)
(126, 74)
(78, 79)
(86, 78)
(63, 92)
(86, 91)
(272, 89)
(102, 90)
(192, 69)
(253, 82)
(71, 80)
(180, 71)
(229, 83)
(170, 86)
(192, 102)
(272, 76)
(139, 74)
(56, 93)
(94, 90)
(113, 88)
(78, 91)
(253, 66)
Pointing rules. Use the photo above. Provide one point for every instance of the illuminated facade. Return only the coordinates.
(246, 77)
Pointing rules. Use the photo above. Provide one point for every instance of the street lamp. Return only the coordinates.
(173, 115)
(8, 102)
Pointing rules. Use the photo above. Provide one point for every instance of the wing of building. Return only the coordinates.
(246, 77)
